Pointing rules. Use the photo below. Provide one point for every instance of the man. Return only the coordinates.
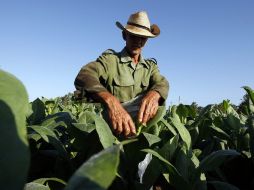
(123, 80)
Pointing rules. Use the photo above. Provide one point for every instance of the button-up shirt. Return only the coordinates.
(115, 72)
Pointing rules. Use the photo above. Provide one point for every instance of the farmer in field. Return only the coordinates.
(130, 86)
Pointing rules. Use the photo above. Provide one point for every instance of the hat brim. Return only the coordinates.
(134, 30)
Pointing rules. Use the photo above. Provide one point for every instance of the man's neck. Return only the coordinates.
(135, 58)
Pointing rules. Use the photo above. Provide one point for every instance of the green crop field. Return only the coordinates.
(63, 143)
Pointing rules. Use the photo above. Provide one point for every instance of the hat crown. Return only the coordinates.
(140, 18)
(138, 24)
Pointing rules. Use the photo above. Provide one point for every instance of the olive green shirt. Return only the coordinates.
(115, 72)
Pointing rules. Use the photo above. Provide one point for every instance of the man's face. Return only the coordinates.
(134, 44)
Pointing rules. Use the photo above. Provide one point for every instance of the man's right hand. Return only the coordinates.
(121, 121)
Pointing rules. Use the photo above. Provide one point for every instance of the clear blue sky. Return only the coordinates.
(205, 50)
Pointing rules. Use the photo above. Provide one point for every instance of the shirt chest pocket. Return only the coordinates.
(123, 87)
(145, 83)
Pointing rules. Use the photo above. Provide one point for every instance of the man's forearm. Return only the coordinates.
(120, 119)
(156, 94)
(106, 98)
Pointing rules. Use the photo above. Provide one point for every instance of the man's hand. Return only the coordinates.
(149, 106)
(120, 119)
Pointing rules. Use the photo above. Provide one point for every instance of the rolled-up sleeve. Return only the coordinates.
(89, 78)
(159, 83)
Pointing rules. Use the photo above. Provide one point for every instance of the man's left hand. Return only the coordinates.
(149, 106)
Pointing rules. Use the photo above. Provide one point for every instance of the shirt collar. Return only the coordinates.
(125, 58)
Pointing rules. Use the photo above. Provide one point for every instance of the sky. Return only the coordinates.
(205, 49)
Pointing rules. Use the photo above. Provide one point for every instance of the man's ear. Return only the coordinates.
(124, 35)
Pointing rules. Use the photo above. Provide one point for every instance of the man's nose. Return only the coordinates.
(139, 40)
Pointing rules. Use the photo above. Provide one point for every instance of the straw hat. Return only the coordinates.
(139, 25)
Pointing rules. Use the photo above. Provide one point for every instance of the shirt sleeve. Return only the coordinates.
(159, 83)
(91, 76)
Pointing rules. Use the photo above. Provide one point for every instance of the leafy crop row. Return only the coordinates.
(70, 146)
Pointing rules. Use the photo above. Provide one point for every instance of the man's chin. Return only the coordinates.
(135, 52)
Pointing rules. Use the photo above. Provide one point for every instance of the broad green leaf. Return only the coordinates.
(250, 125)
(52, 183)
(98, 172)
(183, 132)
(151, 139)
(132, 154)
(38, 112)
(35, 186)
(139, 128)
(243, 139)
(225, 105)
(128, 141)
(205, 111)
(194, 133)
(154, 130)
(219, 185)
(250, 93)
(154, 169)
(243, 118)
(175, 177)
(152, 172)
(251, 106)
(195, 160)
(197, 152)
(183, 162)
(186, 164)
(193, 110)
(104, 132)
(56, 106)
(168, 149)
(219, 132)
(170, 128)
(85, 127)
(201, 183)
(33, 136)
(14, 159)
(174, 114)
(82, 134)
(159, 115)
(215, 159)
(232, 111)
(234, 122)
(61, 118)
(45, 180)
(86, 118)
(212, 161)
(247, 154)
(182, 112)
(50, 137)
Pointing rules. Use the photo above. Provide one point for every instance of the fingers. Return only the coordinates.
(129, 128)
(132, 127)
(121, 120)
(154, 111)
(141, 111)
(119, 128)
(126, 129)
(123, 124)
(147, 112)
(114, 125)
(149, 107)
